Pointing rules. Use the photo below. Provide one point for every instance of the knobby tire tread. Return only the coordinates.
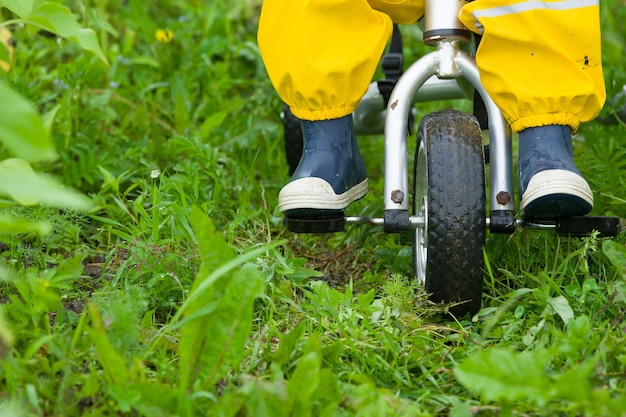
(456, 209)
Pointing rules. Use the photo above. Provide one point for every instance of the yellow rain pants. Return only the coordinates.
(539, 61)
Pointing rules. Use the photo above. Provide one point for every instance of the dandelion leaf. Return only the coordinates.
(505, 375)
(6, 336)
(26, 187)
(213, 342)
(616, 252)
(22, 130)
(267, 399)
(112, 362)
(58, 19)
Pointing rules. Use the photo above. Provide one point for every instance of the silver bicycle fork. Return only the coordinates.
(445, 31)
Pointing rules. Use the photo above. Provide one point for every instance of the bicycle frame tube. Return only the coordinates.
(369, 117)
(447, 62)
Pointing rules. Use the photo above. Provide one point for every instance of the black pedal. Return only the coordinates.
(583, 226)
(329, 223)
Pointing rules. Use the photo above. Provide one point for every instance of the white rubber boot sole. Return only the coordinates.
(552, 191)
(316, 193)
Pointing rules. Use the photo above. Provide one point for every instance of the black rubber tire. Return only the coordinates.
(292, 134)
(449, 191)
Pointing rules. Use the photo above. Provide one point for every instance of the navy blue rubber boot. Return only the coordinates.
(550, 185)
(331, 172)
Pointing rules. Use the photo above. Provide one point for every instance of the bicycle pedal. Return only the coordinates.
(329, 223)
(582, 226)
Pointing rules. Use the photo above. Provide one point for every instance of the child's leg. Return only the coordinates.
(320, 56)
(541, 64)
(540, 61)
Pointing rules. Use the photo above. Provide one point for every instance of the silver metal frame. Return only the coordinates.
(447, 62)
(369, 117)
(448, 72)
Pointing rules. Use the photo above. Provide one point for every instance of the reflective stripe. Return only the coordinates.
(530, 5)
(534, 5)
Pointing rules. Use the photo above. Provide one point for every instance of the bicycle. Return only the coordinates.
(448, 211)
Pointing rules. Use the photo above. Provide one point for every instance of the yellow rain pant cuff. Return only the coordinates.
(540, 61)
(321, 55)
(563, 119)
(323, 114)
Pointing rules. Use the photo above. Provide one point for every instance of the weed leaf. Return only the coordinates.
(616, 253)
(13, 225)
(303, 384)
(6, 336)
(25, 186)
(58, 19)
(562, 308)
(19, 7)
(22, 129)
(48, 118)
(156, 399)
(111, 361)
(211, 123)
(215, 341)
(266, 399)
(500, 374)
(288, 344)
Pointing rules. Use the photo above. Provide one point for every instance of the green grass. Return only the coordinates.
(180, 293)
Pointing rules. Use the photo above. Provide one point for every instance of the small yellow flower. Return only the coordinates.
(164, 35)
